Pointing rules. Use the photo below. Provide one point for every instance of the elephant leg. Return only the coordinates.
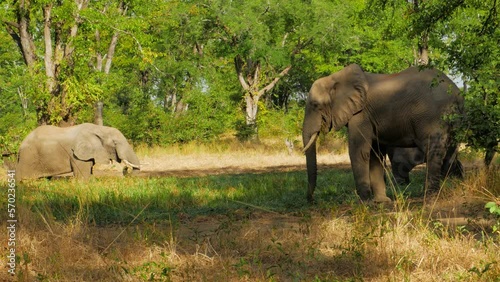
(490, 153)
(457, 169)
(81, 169)
(360, 157)
(436, 151)
(377, 173)
(451, 165)
(401, 172)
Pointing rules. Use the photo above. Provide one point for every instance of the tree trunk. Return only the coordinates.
(252, 106)
(423, 49)
(423, 42)
(108, 58)
(251, 86)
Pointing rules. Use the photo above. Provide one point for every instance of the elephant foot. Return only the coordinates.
(433, 188)
(381, 199)
(364, 195)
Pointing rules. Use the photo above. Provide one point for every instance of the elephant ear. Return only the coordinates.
(83, 150)
(89, 146)
(349, 95)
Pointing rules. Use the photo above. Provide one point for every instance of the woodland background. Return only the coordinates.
(201, 70)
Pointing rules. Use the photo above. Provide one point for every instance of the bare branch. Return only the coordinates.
(111, 52)
(283, 42)
(114, 41)
(81, 4)
(256, 73)
(98, 65)
(275, 80)
(238, 63)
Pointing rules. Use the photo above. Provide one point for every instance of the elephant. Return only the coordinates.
(403, 160)
(406, 109)
(51, 151)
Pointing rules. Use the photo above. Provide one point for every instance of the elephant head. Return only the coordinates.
(331, 103)
(102, 144)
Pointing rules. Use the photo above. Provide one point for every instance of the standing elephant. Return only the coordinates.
(405, 109)
(49, 150)
(403, 160)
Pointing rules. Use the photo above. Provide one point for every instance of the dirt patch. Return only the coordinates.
(199, 172)
(217, 164)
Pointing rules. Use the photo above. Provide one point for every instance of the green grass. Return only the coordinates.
(255, 227)
(119, 200)
(103, 201)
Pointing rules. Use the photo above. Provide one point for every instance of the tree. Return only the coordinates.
(476, 23)
(57, 23)
(266, 40)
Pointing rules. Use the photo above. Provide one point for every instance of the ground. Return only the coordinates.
(454, 211)
(250, 243)
(182, 165)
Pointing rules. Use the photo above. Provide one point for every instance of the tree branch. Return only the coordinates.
(491, 14)
(98, 65)
(275, 80)
(256, 73)
(111, 52)
(238, 63)
(81, 4)
(114, 41)
(10, 26)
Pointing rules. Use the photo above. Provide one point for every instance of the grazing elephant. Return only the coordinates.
(50, 151)
(405, 109)
(403, 160)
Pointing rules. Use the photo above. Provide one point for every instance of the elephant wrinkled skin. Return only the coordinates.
(50, 151)
(405, 109)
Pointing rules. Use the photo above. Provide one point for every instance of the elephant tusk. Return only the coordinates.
(311, 141)
(131, 165)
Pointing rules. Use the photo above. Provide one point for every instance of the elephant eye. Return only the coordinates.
(314, 104)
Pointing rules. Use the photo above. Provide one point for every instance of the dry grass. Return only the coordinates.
(232, 157)
(407, 241)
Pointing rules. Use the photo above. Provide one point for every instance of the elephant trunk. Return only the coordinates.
(310, 132)
(312, 171)
(127, 155)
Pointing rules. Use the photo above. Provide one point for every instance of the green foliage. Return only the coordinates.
(275, 123)
(493, 208)
(176, 52)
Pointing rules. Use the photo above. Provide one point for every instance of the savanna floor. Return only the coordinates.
(242, 216)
